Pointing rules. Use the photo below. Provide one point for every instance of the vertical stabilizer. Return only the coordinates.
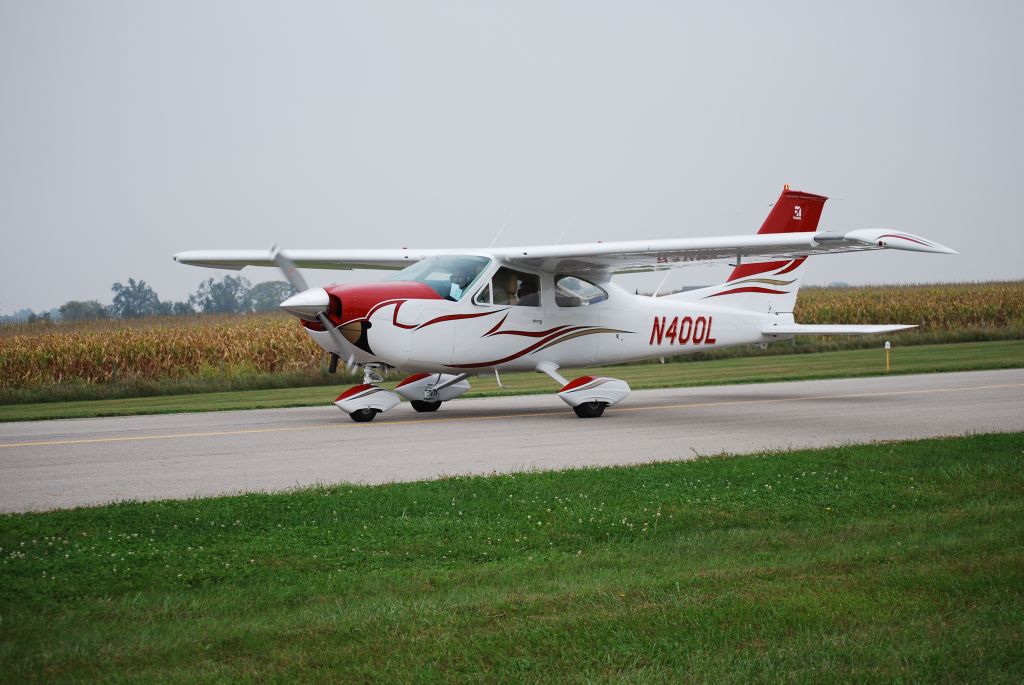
(770, 287)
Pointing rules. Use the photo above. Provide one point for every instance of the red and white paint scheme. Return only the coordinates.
(446, 315)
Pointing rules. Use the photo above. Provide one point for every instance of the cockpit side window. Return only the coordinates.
(573, 291)
(515, 288)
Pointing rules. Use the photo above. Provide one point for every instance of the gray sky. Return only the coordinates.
(133, 130)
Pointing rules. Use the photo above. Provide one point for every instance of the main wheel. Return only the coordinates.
(424, 405)
(589, 410)
(364, 415)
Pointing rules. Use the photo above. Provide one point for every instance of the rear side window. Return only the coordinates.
(573, 291)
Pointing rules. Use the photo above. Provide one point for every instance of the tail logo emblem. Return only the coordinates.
(797, 213)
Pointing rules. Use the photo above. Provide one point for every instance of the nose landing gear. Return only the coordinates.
(425, 392)
(364, 401)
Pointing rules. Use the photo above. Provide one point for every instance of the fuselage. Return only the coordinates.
(412, 327)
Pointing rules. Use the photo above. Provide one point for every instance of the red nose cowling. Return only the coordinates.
(355, 301)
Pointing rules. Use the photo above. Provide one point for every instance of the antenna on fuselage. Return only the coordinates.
(668, 272)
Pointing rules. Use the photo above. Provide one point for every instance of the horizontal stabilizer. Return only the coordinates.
(830, 329)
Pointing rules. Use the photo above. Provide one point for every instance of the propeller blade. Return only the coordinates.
(331, 330)
(288, 268)
(291, 272)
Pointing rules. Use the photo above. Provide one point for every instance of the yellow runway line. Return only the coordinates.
(492, 417)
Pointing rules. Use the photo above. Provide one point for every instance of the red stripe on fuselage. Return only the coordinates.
(795, 264)
(750, 289)
(519, 354)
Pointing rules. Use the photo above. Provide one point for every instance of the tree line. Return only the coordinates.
(135, 299)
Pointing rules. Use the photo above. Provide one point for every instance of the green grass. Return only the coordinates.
(882, 563)
(917, 359)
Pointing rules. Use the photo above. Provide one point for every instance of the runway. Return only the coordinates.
(59, 464)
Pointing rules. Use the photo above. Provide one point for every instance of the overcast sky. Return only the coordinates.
(133, 130)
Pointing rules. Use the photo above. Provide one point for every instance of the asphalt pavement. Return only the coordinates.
(67, 463)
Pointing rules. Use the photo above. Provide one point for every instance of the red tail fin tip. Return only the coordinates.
(794, 212)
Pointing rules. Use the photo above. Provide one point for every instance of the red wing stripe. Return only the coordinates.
(905, 237)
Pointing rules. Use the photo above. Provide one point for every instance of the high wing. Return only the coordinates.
(604, 258)
(631, 257)
(310, 259)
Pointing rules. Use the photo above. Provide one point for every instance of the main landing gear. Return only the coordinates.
(589, 410)
(425, 392)
(587, 395)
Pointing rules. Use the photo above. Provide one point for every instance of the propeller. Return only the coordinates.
(294, 277)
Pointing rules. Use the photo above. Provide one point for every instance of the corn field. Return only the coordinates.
(932, 307)
(118, 351)
(107, 352)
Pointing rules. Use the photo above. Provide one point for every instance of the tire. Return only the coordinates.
(364, 415)
(589, 410)
(424, 405)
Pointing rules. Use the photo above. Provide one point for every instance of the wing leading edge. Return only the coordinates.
(309, 259)
(631, 257)
(608, 258)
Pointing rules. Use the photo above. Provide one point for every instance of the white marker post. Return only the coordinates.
(888, 347)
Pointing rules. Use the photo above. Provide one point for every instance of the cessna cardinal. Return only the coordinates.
(446, 315)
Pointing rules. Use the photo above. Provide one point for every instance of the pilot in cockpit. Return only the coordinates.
(462, 275)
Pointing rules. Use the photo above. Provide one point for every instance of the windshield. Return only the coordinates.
(451, 276)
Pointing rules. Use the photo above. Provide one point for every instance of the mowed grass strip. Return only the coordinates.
(848, 363)
(880, 563)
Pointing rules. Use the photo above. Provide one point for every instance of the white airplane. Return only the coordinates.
(446, 315)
